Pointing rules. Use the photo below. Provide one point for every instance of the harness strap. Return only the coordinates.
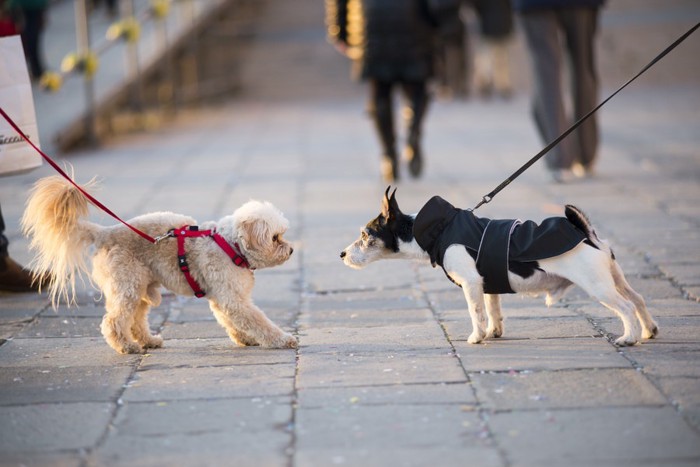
(192, 231)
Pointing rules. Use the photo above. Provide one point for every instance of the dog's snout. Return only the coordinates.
(342, 254)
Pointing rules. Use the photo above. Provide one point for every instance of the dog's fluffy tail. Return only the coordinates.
(58, 235)
(580, 220)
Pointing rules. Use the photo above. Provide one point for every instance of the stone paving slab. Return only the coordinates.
(205, 352)
(395, 337)
(211, 382)
(32, 385)
(363, 317)
(404, 456)
(377, 367)
(538, 354)
(53, 427)
(382, 428)
(264, 448)
(51, 353)
(458, 327)
(391, 299)
(605, 436)
(395, 394)
(566, 389)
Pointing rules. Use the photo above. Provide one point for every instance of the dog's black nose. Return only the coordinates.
(291, 250)
(342, 254)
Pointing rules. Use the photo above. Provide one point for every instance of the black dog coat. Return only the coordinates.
(496, 245)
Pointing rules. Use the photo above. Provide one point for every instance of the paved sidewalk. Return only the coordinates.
(384, 374)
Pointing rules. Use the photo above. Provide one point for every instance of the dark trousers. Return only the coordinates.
(381, 109)
(3, 239)
(549, 35)
(31, 40)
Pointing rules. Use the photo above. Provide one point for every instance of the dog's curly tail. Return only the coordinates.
(580, 220)
(58, 236)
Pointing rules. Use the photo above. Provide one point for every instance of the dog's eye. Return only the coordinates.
(276, 238)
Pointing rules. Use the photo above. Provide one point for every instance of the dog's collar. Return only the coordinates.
(190, 231)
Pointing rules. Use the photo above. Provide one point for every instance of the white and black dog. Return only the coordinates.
(489, 257)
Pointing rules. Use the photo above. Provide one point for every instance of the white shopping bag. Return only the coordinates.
(16, 99)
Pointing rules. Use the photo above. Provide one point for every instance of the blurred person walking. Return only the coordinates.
(550, 26)
(491, 61)
(33, 20)
(391, 44)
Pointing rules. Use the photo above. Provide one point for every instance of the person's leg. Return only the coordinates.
(417, 105)
(13, 278)
(542, 34)
(382, 113)
(580, 26)
(33, 22)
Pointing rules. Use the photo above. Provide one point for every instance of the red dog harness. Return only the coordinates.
(190, 231)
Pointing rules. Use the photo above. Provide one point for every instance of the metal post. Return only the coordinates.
(132, 65)
(82, 35)
(165, 89)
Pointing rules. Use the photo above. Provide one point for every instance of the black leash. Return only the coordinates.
(487, 198)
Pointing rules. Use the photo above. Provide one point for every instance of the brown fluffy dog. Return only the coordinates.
(130, 271)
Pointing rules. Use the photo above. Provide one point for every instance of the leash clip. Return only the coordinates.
(169, 233)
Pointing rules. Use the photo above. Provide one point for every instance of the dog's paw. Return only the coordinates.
(291, 342)
(496, 332)
(475, 338)
(626, 341)
(154, 342)
(651, 333)
(283, 341)
(130, 348)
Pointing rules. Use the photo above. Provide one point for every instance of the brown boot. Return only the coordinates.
(14, 278)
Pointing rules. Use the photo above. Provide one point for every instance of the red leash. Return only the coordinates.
(65, 175)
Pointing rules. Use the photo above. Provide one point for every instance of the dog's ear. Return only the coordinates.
(254, 234)
(390, 207)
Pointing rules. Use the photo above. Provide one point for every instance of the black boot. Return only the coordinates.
(13, 277)
(384, 123)
(418, 98)
(381, 111)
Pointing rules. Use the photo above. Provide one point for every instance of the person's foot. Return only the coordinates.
(14, 278)
(562, 175)
(389, 169)
(414, 157)
(581, 171)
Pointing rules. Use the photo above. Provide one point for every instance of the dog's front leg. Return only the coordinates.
(462, 269)
(493, 310)
(245, 323)
(474, 293)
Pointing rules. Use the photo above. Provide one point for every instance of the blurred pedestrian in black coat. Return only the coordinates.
(390, 42)
(552, 29)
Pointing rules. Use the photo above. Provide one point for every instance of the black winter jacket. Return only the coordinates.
(390, 40)
(497, 245)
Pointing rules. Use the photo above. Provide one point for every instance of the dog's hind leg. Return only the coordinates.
(649, 327)
(603, 289)
(140, 328)
(117, 324)
(493, 310)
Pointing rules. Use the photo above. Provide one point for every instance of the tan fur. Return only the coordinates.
(130, 271)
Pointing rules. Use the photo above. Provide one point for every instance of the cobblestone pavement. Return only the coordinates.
(384, 374)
